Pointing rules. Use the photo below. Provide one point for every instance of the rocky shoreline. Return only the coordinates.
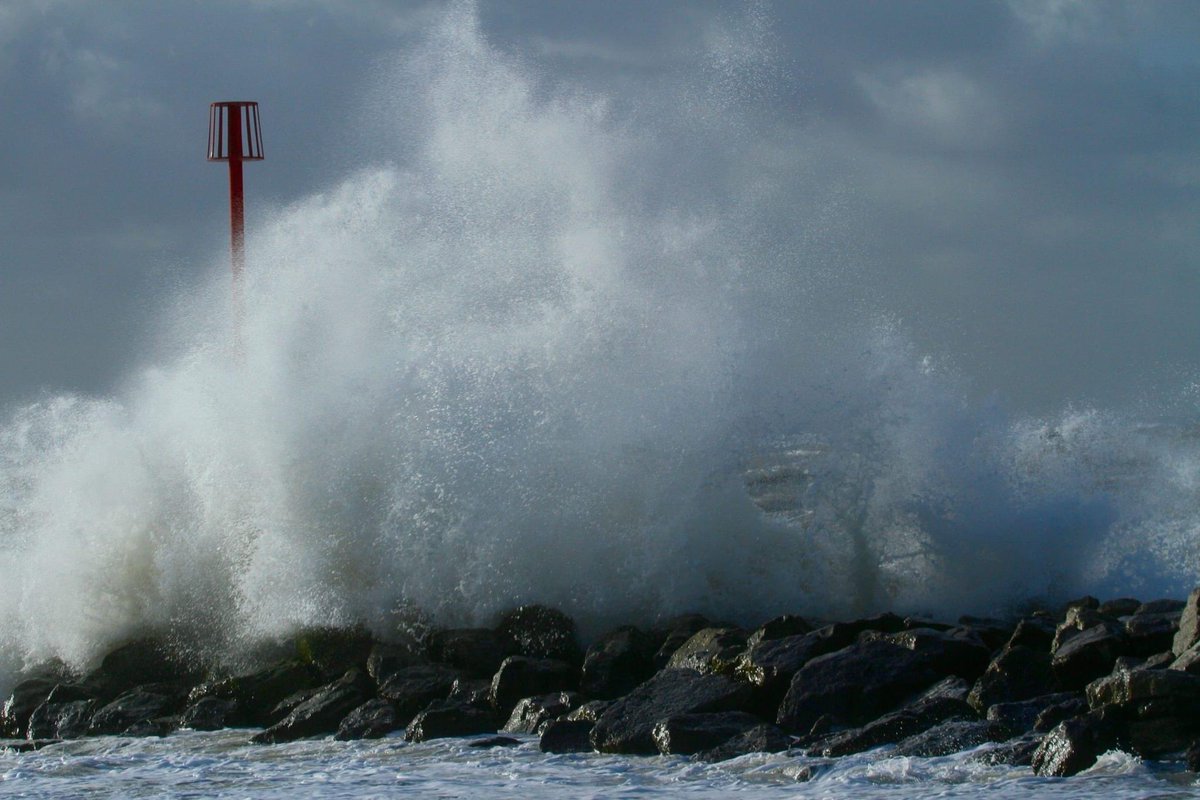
(1053, 690)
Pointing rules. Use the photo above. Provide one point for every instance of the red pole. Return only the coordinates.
(237, 221)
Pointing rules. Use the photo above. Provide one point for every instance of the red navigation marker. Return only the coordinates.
(234, 135)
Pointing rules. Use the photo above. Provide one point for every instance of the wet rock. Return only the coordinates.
(1188, 661)
(531, 714)
(323, 712)
(1017, 673)
(390, 657)
(1162, 606)
(494, 741)
(946, 700)
(411, 689)
(712, 651)
(210, 714)
(477, 652)
(959, 651)
(1120, 607)
(1016, 752)
(472, 691)
(1087, 656)
(140, 662)
(770, 665)
(1161, 736)
(1036, 633)
(781, 627)
(137, 706)
(993, 632)
(29, 693)
(335, 651)
(1087, 602)
(68, 719)
(542, 632)
(567, 736)
(1191, 758)
(26, 745)
(1019, 717)
(445, 718)
(1159, 661)
(762, 738)
(1189, 624)
(1075, 744)
(686, 734)
(521, 676)
(1142, 691)
(374, 719)
(258, 694)
(674, 633)
(855, 685)
(590, 710)
(617, 662)
(952, 736)
(1052, 715)
(1078, 620)
(159, 726)
(627, 725)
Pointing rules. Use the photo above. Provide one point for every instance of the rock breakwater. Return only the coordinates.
(1052, 689)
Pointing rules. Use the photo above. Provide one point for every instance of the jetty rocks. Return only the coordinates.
(1050, 689)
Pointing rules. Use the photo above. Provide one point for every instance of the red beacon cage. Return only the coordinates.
(234, 135)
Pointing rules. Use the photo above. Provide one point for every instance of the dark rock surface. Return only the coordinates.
(522, 676)
(449, 718)
(567, 736)
(1019, 717)
(323, 712)
(410, 689)
(627, 725)
(617, 662)
(712, 651)
(762, 738)
(137, 706)
(541, 632)
(1189, 624)
(674, 633)
(687, 734)
(1074, 745)
(531, 714)
(476, 652)
(950, 737)
(854, 685)
(945, 701)
(374, 719)
(210, 714)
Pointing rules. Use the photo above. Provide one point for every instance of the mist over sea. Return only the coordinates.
(534, 354)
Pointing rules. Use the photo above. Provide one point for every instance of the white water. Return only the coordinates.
(535, 356)
(223, 765)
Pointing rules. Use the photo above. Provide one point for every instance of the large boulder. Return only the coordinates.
(411, 689)
(673, 633)
(762, 738)
(1148, 634)
(1075, 744)
(59, 718)
(617, 662)
(541, 632)
(258, 694)
(854, 685)
(140, 705)
(1088, 655)
(951, 736)
(210, 714)
(531, 714)
(521, 676)
(1020, 716)
(627, 725)
(780, 627)
(710, 651)
(29, 693)
(687, 734)
(446, 718)
(335, 651)
(374, 719)
(1189, 624)
(944, 701)
(477, 652)
(143, 661)
(323, 712)
(389, 657)
(957, 651)
(567, 736)
(1019, 672)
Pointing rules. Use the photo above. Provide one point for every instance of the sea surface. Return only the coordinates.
(223, 764)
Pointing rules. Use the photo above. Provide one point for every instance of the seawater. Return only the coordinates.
(222, 764)
(526, 351)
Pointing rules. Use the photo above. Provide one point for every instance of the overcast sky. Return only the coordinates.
(1021, 178)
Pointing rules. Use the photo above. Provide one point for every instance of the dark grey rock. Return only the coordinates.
(1141, 691)
(1120, 607)
(476, 652)
(1075, 744)
(494, 741)
(627, 725)
(762, 738)
(69, 719)
(389, 657)
(411, 689)
(335, 651)
(1087, 656)
(29, 693)
(1052, 715)
(674, 633)
(952, 736)
(26, 745)
(522, 676)
(1163, 606)
(542, 632)
(143, 661)
(567, 736)
(446, 718)
(1188, 661)
(710, 651)
(1019, 717)
(137, 706)
(258, 694)
(472, 691)
(590, 710)
(373, 719)
(994, 632)
(323, 712)
(958, 651)
(1189, 624)
(617, 662)
(1018, 673)
(531, 714)
(779, 628)
(210, 714)
(946, 700)
(1015, 752)
(159, 726)
(855, 685)
(687, 734)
